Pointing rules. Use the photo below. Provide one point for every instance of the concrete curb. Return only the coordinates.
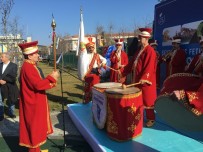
(10, 127)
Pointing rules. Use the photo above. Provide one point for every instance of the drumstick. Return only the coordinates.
(111, 68)
(130, 85)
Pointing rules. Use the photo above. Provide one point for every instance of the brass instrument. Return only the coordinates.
(168, 55)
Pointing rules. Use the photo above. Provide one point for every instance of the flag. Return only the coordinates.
(53, 36)
(57, 43)
(81, 51)
(81, 36)
(60, 57)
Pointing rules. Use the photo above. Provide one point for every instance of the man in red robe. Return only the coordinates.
(176, 58)
(118, 59)
(190, 80)
(92, 77)
(143, 67)
(35, 123)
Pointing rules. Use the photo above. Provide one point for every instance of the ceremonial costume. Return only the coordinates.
(190, 80)
(143, 66)
(35, 123)
(118, 60)
(193, 99)
(193, 64)
(92, 76)
(176, 58)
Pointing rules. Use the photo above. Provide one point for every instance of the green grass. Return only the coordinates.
(73, 93)
(72, 88)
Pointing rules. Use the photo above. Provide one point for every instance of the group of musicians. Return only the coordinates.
(144, 67)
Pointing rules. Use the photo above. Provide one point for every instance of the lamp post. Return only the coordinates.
(53, 25)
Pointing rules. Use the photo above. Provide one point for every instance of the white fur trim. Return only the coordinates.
(176, 41)
(30, 50)
(145, 34)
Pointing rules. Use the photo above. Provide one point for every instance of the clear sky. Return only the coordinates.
(35, 16)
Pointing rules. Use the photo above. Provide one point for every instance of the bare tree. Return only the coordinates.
(16, 31)
(5, 10)
(99, 29)
(111, 28)
(100, 35)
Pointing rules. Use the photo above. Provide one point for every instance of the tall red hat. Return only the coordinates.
(145, 32)
(200, 39)
(176, 39)
(153, 42)
(29, 48)
(90, 42)
(119, 41)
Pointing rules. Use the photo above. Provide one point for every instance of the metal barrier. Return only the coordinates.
(69, 60)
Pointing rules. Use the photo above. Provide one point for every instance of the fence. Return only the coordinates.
(69, 60)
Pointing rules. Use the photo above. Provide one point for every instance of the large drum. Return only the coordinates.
(178, 114)
(125, 113)
(99, 103)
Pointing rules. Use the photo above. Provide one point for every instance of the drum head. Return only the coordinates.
(108, 85)
(130, 90)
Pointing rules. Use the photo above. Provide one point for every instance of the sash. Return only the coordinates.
(92, 63)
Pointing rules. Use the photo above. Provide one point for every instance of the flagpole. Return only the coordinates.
(53, 25)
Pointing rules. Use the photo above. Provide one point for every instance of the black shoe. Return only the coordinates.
(12, 116)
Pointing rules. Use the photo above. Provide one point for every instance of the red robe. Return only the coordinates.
(143, 65)
(191, 90)
(194, 99)
(116, 62)
(190, 68)
(35, 121)
(177, 62)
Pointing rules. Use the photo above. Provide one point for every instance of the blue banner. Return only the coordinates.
(182, 18)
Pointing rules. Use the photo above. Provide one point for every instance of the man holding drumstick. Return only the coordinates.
(143, 68)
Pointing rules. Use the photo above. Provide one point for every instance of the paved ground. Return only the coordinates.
(10, 127)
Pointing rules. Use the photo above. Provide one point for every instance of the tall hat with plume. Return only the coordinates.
(90, 43)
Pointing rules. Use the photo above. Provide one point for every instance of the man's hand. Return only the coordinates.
(55, 75)
(2, 82)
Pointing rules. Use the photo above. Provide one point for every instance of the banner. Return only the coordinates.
(81, 51)
(178, 18)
